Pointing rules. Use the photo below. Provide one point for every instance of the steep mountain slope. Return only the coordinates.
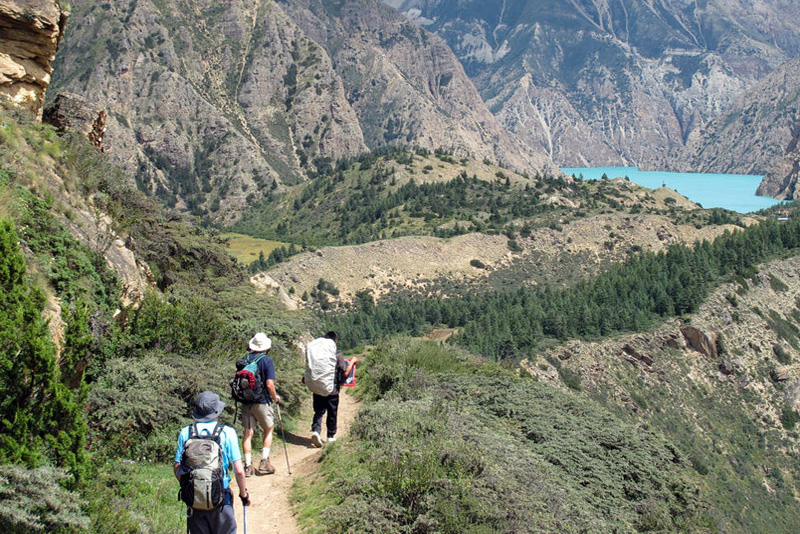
(783, 180)
(758, 135)
(213, 106)
(729, 404)
(601, 82)
(405, 84)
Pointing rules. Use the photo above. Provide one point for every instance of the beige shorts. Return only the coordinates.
(257, 412)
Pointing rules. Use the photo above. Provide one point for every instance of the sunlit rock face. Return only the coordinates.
(30, 31)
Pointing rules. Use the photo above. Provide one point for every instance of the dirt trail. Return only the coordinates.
(270, 510)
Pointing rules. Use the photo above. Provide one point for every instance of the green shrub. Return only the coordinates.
(781, 355)
(471, 448)
(41, 418)
(33, 500)
(777, 284)
(789, 418)
(133, 401)
(786, 330)
(571, 379)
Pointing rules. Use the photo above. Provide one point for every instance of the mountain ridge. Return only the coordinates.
(211, 116)
(596, 83)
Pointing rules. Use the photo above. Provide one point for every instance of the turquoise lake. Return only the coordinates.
(736, 192)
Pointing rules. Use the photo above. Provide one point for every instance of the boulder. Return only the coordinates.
(780, 374)
(727, 367)
(638, 356)
(703, 342)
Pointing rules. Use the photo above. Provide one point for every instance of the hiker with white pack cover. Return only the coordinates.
(206, 450)
(254, 386)
(325, 371)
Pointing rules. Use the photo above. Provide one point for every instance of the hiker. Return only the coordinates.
(326, 370)
(215, 516)
(260, 410)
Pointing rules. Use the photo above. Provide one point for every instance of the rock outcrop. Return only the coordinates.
(73, 112)
(30, 32)
(700, 340)
(757, 135)
(783, 179)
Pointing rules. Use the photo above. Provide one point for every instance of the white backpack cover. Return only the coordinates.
(321, 366)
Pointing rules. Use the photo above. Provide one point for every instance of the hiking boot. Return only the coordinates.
(248, 470)
(316, 440)
(331, 439)
(264, 467)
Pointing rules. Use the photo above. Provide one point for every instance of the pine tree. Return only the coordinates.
(39, 415)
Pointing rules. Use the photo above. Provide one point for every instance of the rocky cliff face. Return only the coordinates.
(757, 135)
(596, 82)
(209, 105)
(30, 31)
(783, 181)
(406, 85)
(213, 106)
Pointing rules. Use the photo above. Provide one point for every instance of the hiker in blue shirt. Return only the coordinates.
(219, 520)
(260, 411)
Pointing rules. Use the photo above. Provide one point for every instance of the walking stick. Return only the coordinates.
(244, 517)
(283, 437)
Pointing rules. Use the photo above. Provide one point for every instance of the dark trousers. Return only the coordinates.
(328, 404)
(219, 521)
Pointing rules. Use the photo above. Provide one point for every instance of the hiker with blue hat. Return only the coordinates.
(206, 451)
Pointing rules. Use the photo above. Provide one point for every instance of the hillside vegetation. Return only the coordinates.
(396, 193)
(449, 440)
(90, 402)
(448, 444)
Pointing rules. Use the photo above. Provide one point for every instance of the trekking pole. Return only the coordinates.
(244, 517)
(283, 437)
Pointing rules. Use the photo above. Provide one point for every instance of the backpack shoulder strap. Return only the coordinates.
(217, 431)
(193, 431)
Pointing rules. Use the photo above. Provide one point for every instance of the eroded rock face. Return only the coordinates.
(30, 31)
(703, 342)
(213, 108)
(597, 82)
(783, 178)
(73, 112)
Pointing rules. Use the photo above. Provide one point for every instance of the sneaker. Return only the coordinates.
(264, 467)
(316, 440)
(331, 439)
(248, 470)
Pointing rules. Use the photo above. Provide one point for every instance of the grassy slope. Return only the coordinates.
(246, 248)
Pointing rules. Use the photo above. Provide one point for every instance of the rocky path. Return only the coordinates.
(270, 511)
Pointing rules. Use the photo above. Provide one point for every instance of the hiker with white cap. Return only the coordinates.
(258, 409)
(206, 450)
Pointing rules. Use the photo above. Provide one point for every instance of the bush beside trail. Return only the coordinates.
(451, 445)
